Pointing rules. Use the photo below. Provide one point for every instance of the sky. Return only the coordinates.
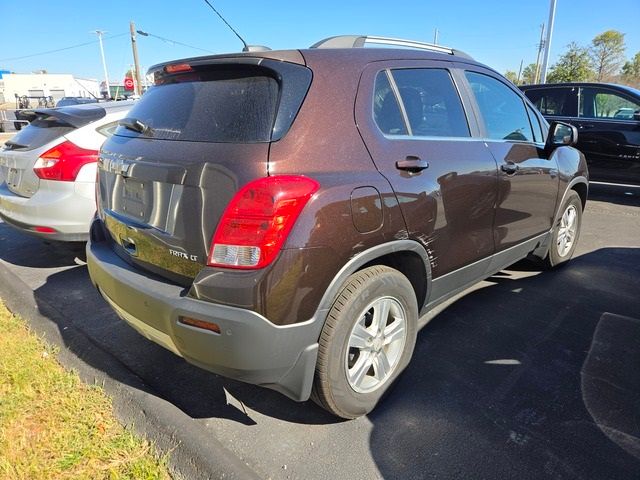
(497, 33)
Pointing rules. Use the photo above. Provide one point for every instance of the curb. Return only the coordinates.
(192, 453)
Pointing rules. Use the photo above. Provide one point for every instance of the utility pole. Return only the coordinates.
(104, 63)
(435, 36)
(547, 44)
(520, 71)
(540, 47)
(134, 47)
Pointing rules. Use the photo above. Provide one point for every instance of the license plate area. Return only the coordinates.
(13, 177)
(136, 199)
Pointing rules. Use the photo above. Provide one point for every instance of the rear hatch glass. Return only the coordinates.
(188, 145)
(217, 105)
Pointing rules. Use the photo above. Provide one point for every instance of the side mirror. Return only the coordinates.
(561, 134)
(636, 115)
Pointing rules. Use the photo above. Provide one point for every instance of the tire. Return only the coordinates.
(566, 231)
(355, 365)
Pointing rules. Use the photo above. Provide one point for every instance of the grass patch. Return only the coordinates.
(52, 425)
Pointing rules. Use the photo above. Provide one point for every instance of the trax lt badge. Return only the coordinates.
(175, 253)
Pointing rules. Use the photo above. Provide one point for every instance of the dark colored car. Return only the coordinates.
(608, 119)
(67, 101)
(284, 218)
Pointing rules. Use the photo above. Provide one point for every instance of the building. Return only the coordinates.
(55, 85)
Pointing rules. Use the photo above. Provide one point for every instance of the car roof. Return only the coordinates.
(615, 86)
(356, 56)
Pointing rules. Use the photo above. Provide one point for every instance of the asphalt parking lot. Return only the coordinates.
(528, 375)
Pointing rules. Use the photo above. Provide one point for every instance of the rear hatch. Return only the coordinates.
(45, 131)
(198, 135)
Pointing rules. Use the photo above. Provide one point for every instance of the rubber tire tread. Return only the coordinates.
(550, 261)
(320, 393)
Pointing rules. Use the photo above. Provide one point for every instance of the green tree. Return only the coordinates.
(512, 76)
(631, 71)
(529, 74)
(573, 66)
(607, 54)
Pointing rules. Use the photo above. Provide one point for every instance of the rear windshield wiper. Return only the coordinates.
(135, 125)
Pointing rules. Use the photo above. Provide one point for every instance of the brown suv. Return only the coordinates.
(284, 218)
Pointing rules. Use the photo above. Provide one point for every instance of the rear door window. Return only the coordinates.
(554, 101)
(502, 109)
(429, 102)
(227, 105)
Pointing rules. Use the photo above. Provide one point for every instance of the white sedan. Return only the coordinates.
(48, 169)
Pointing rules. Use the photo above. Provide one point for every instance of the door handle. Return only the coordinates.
(509, 168)
(412, 164)
(586, 126)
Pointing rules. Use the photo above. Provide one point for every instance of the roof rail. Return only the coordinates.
(358, 41)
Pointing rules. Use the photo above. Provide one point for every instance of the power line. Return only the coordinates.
(147, 34)
(246, 47)
(60, 49)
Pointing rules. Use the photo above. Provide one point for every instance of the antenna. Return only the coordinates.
(246, 47)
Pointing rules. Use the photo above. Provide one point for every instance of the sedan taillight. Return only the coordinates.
(63, 162)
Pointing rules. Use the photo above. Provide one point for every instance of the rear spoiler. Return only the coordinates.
(72, 116)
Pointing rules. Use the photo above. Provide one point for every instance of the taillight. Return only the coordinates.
(63, 162)
(258, 220)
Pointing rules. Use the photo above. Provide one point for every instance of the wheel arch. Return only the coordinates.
(407, 256)
(582, 189)
(580, 185)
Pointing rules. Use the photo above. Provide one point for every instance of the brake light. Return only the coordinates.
(178, 67)
(63, 162)
(258, 220)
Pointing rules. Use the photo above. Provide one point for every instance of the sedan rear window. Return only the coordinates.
(230, 105)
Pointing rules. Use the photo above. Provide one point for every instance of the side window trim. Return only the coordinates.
(533, 117)
(396, 93)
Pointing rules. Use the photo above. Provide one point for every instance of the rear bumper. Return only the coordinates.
(249, 348)
(66, 207)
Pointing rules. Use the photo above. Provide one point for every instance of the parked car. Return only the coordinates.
(66, 101)
(48, 170)
(608, 119)
(284, 218)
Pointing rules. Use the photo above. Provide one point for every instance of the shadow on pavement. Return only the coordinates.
(198, 393)
(618, 194)
(27, 251)
(496, 387)
(511, 381)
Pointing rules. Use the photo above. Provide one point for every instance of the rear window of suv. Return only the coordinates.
(225, 105)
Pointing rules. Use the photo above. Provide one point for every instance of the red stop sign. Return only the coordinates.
(128, 83)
